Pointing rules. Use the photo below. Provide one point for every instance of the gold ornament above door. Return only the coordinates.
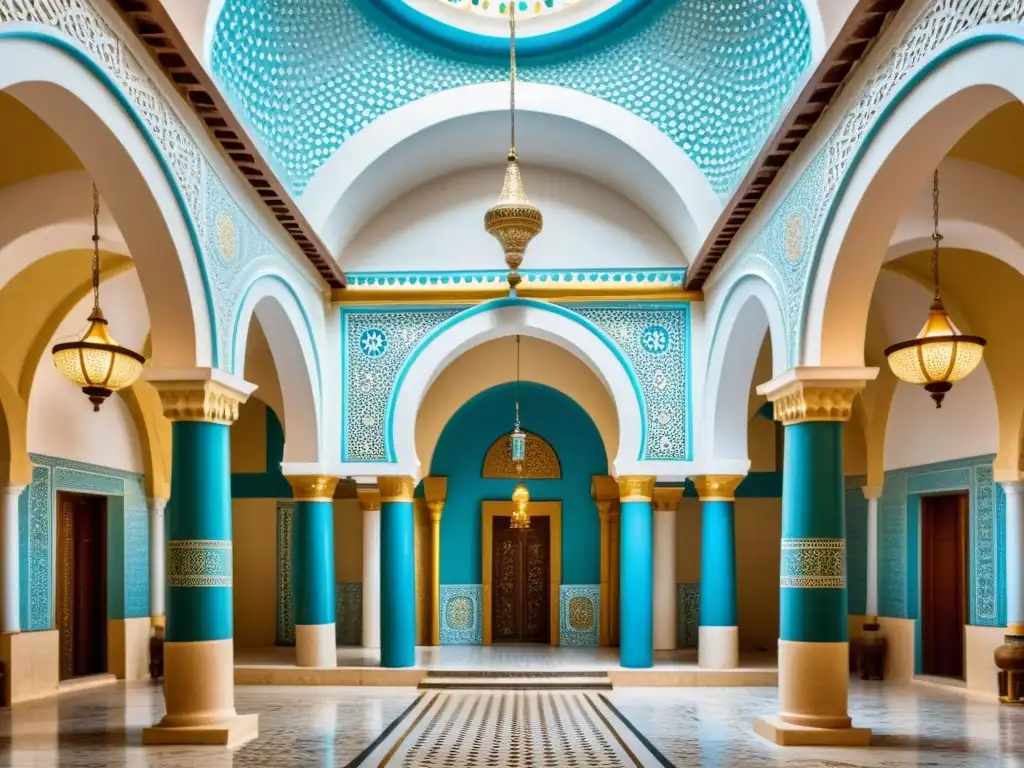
(540, 463)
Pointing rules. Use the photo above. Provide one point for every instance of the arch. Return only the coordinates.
(947, 95)
(387, 157)
(293, 346)
(505, 317)
(73, 94)
(750, 310)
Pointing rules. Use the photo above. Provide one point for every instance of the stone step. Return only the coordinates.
(514, 673)
(517, 682)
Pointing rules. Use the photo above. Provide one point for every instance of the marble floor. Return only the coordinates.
(319, 727)
(504, 658)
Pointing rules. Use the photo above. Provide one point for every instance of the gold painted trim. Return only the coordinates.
(717, 487)
(313, 487)
(372, 297)
(1015, 629)
(436, 508)
(369, 499)
(636, 488)
(604, 513)
(396, 488)
(491, 509)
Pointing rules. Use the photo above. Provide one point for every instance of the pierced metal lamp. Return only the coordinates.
(520, 496)
(514, 221)
(96, 362)
(940, 355)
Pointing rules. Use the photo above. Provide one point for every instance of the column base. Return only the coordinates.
(718, 647)
(231, 733)
(315, 645)
(786, 734)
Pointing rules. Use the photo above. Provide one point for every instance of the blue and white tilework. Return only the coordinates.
(461, 614)
(579, 614)
(711, 76)
(687, 614)
(127, 528)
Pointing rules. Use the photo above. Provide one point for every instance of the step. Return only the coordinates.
(514, 673)
(516, 682)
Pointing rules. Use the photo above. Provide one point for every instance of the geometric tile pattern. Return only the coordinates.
(687, 614)
(579, 613)
(285, 616)
(461, 614)
(813, 563)
(898, 516)
(199, 563)
(348, 627)
(714, 75)
(127, 520)
(651, 340)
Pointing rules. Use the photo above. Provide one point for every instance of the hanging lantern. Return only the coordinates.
(514, 221)
(518, 440)
(940, 355)
(520, 507)
(96, 362)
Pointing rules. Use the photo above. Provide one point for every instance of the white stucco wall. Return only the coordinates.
(439, 226)
(61, 421)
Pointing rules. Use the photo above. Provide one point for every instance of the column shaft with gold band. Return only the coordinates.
(199, 651)
(813, 647)
(397, 573)
(313, 570)
(435, 490)
(636, 628)
(718, 642)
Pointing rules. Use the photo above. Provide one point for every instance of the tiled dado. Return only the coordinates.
(687, 614)
(579, 612)
(461, 614)
(348, 596)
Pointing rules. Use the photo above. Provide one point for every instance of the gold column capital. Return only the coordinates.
(603, 487)
(717, 487)
(436, 507)
(199, 400)
(369, 499)
(806, 393)
(636, 487)
(604, 508)
(665, 499)
(312, 487)
(396, 488)
(435, 489)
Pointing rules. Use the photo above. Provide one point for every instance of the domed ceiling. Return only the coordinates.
(712, 75)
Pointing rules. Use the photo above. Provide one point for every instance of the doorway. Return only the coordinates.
(82, 584)
(521, 575)
(943, 584)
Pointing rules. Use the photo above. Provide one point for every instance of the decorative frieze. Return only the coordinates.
(199, 563)
(813, 563)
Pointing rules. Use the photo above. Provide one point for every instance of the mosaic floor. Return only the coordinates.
(326, 727)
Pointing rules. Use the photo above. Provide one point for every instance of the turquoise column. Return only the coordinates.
(718, 646)
(813, 647)
(199, 649)
(313, 570)
(397, 573)
(636, 564)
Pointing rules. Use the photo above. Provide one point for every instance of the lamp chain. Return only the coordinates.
(936, 237)
(512, 54)
(517, 381)
(95, 248)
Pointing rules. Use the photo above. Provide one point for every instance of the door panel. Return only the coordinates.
(943, 587)
(521, 581)
(82, 584)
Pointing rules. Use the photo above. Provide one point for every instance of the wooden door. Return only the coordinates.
(82, 584)
(521, 582)
(943, 584)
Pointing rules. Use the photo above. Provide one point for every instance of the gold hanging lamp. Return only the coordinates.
(940, 355)
(96, 362)
(514, 221)
(520, 496)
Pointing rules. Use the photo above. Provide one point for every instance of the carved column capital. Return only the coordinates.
(208, 395)
(369, 499)
(815, 394)
(396, 488)
(312, 487)
(717, 487)
(636, 487)
(667, 499)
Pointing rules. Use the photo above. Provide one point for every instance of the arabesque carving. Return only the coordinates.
(541, 461)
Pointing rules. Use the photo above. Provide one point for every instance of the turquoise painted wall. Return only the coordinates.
(459, 455)
(856, 545)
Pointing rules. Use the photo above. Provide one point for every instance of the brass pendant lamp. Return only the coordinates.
(96, 362)
(514, 221)
(520, 496)
(940, 355)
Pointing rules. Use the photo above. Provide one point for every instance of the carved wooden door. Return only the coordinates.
(521, 582)
(81, 584)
